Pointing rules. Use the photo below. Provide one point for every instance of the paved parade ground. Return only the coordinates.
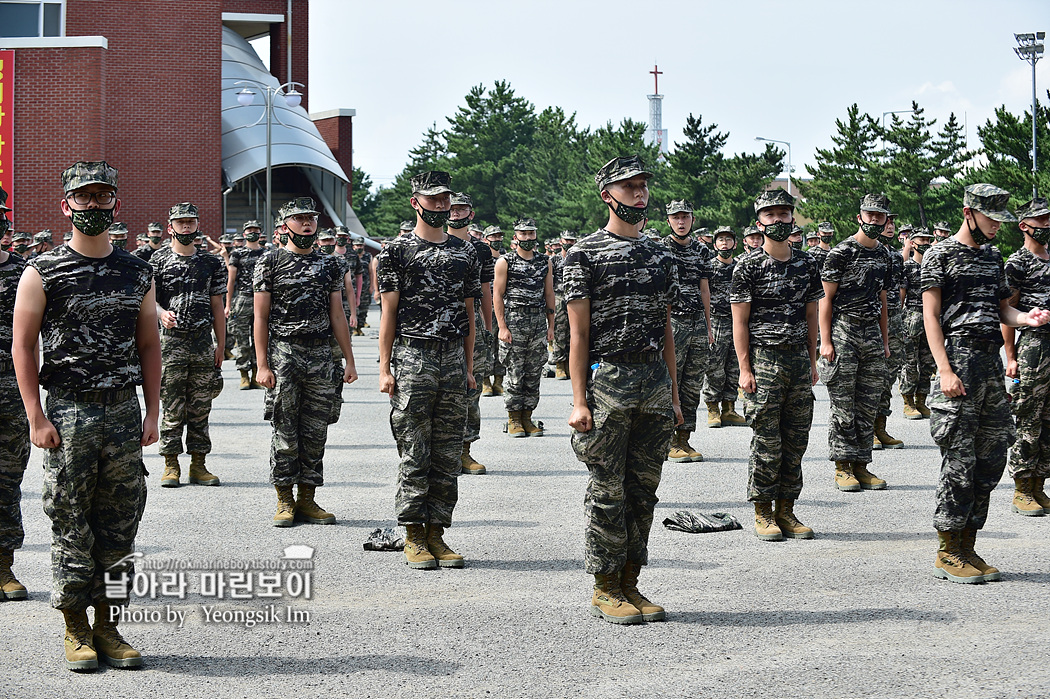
(855, 612)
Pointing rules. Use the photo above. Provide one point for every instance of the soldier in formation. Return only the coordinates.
(723, 371)
(154, 238)
(895, 333)
(240, 303)
(918, 367)
(560, 344)
(494, 387)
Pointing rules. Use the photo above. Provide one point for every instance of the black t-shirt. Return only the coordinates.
(90, 319)
(862, 274)
(694, 265)
(972, 282)
(144, 252)
(10, 273)
(485, 260)
(630, 283)
(244, 261)
(912, 285)
(525, 281)
(185, 285)
(433, 280)
(778, 293)
(300, 287)
(721, 282)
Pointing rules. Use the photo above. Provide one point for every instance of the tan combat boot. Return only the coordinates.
(470, 466)
(497, 385)
(416, 553)
(609, 603)
(285, 506)
(785, 518)
(677, 454)
(80, 654)
(629, 587)
(308, 510)
(1039, 495)
(883, 436)
(844, 478)
(920, 404)
(867, 479)
(486, 387)
(766, 527)
(199, 473)
(694, 455)
(1024, 503)
(246, 381)
(255, 374)
(876, 445)
(729, 415)
(910, 411)
(514, 426)
(561, 371)
(531, 428)
(951, 564)
(967, 539)
(9, 585)
(172, 472)
(714, 415)
(446, 557)
(109, 644)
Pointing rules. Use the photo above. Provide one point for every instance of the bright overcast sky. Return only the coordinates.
(781, 70)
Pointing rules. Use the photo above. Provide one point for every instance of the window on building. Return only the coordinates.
(31, 18)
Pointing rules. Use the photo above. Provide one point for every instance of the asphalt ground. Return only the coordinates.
(856, 612)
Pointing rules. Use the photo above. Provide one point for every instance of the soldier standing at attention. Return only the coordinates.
(523, 301)
(560, 353)
(460, 215)
(753, 239)
(298, 307)
(1028, 361)
(93, 430)
(365, 292)
(240, 303)
(350, 288)
(691, 324)
(854, 344)
(118, 235)
(895, 333)
(775, 291)
(941, 232)
(827, 237)
(145, 252)
(494, 238)
(965, 298)
(619, 287)
(429, 281)
(723, 371)
(918, 366)
(190, 288)
(14, 429)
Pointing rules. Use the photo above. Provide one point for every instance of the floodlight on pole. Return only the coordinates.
(1030, 50)
(789, 169)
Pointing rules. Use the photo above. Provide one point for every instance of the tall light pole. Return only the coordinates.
(884, 115)
(773, 140)
(1030, 50)
(292, 98)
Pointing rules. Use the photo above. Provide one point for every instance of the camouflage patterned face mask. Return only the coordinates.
(725, 254)
(155, 239)
(1039, 235)
(827, 239)
(283, 238)
(251, 237)
(458, 223)
(92, 222)
(303, 242)
(526, 245)
(922, 248)
(185, 238)
(434, 219)
(797, 244)
(21, 247)
(121, 244)
(873, 230)
(779, 231)
(630, 215)
(328, 249)
(496, 245)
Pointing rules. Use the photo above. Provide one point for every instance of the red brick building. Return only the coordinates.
(148, 86)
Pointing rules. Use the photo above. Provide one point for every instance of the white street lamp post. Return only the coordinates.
(1030, 50)
(773, 140)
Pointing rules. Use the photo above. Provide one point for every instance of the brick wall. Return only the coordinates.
(338, 134)
(279, 38)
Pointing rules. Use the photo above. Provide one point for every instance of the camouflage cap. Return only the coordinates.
(3, 201)
(356, 239)
(493, 230)
(251, 224)
(299, 205)
(724, 230)
(878, 203)
(919, 232)
(278, 222)
(476, 228)
(1034, 208)
(341, 230)
(701, 233)
(44, 236)
(796, 229)
(903, 226)
(20, 235)
(989, 200)
(774, 197)
(86, 172)
(431, 183)
(183, 210)
(678, 206)
(525, 224)
(155, 227)
(825, 227)
(942, 226)
(326, 234)
(226, 239)
(752, 230)
(567, 235)
(408, 225)
(461, 199)
(239, 235)
(619, 169)
(118, 228)
(810, 235)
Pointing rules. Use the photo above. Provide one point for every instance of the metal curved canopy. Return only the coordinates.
(295, 140)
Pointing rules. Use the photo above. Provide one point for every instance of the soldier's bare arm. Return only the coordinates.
(468, 344)
(1011, 316)
(262, 338)
(351, 298)
(951, 385)
(30, 303)
(499, 287)
(341, 330)
(579, 312)
(741, 343)
(218, 324)
(548, 298)
(705, 298)
(387, 328)
(231, 279)
(672, 365)
(811, 338)
(884, 323)
(486, 306)
(827, 348)
(147, 340)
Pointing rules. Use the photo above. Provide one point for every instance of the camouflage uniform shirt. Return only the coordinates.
(300, 287)
(819, 255)
(778, 293)
(1029, 275)
(557, 263)
(244, 261)
(486, 261)
(694, 265)
(893, 291)
(10, 273)
(972, 283)
(185, 285)
(630, 282)
(145, 252)
(861, 274)
(433, 280)
(525, 281)
(721, 282)
(912, 285)
(90, 319)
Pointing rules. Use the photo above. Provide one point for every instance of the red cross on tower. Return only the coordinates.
(656, 73)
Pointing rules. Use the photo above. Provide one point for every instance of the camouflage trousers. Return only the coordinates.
(893, 363)
(482, 369)
(241, 326)
(14, 455)
(189, 381)
(780, 412)
(94, 491)
(524, 357)
(560, 346)
(855, 381)
(1030, 454)
(302, 408)
(918, 366)
(691, 352)
(723, 372)
(624, 452)
(973, 431)
(363, 305)
(427, 412)
(497, 365)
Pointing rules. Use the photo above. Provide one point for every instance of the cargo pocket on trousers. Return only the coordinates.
(590, 445)
(827, 371)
